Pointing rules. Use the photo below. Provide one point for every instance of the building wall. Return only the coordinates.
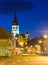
(15, 31)
(6, 47)
(45, 47)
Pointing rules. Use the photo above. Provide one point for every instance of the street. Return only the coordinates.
(25, 60)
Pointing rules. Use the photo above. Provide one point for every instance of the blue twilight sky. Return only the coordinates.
(32, 15)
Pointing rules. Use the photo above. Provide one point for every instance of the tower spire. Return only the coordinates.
(15, 17)
(15, 22)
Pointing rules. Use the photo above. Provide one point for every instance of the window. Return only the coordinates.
(16, 35)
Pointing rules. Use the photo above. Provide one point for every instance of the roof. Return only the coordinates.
(22, 35)
(27, 33)
(15, 22)
(4, 34)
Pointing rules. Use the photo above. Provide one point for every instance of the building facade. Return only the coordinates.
(7, 47)
(45, 47)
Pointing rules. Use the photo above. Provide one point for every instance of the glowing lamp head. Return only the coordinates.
(45, 36)
(40, 41)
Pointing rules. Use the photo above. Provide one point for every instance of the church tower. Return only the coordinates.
(15, 27)
(26, 35)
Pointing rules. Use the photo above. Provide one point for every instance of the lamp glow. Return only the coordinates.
(45, 36)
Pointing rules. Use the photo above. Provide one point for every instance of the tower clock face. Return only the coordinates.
(15, 28)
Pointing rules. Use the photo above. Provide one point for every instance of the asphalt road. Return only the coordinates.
(25, 60)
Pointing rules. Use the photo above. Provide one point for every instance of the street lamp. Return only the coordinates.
(45, 36)
(40, 41)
